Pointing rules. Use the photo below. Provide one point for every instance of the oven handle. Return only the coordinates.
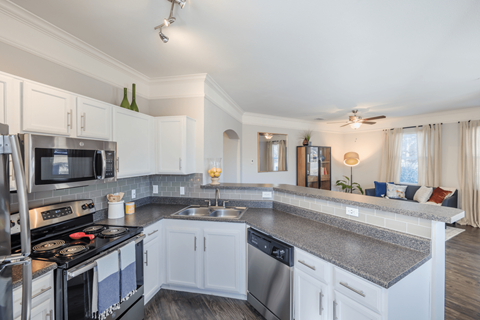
(74, 272)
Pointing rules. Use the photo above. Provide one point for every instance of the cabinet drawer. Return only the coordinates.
(358, 289)
(152, 232)
(312, 265)
(41, 287)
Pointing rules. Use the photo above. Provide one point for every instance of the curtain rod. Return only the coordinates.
(411, 127)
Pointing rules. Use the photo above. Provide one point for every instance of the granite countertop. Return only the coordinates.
(38, 268)
(377, 261)
(424, 211)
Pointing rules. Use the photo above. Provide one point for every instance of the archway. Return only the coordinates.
(231, 157)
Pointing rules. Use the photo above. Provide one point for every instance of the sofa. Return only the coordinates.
(410, 192)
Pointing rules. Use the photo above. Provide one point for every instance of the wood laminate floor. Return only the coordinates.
(176, 305)
(462, 276)
(462, 291)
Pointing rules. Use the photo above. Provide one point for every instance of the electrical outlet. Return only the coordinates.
(267, 194)
(352, 211)
(252, 162)
(182, 191)
(155, 188)
(134, 194)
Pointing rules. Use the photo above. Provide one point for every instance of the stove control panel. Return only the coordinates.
(56, 213)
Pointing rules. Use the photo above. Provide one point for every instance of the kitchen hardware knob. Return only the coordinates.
(84, 206)
(152, 233)
(195, 244)
(204, 244)
(146, 258)
(91, 206)
(320, 303)
(82, 121)
(307, 265)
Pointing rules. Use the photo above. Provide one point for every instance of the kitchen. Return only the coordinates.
(272, 249)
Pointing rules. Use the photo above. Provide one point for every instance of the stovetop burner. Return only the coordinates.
(113, 232)
(72, 250)
(48, 246)
(94, 229)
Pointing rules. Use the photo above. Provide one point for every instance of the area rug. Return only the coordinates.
(451, 232)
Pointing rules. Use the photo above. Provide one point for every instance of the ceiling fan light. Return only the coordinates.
(355, 125)
(268, 136)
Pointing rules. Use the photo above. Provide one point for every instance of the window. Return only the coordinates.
(409, 170)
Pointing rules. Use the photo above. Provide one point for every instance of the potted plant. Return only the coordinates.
(306, 136)
(348, 186)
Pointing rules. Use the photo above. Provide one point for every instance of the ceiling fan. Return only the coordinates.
(356, 121)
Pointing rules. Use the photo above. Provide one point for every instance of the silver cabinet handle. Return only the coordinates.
(204, 244)
(354, 290)
(153, 232)
(39, 293)
(69, 118)
(195, 244)
(334, 310)
(83, 121)
(320, 305)
(180, 163)
(307, 265)
(146, 258)
(49, 315)
(118, 164)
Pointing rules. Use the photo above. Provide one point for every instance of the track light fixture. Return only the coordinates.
(171, 19)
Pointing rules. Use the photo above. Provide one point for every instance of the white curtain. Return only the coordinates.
(392, 155)
(269, 156)
(282, 160)
(429, 142)
(469, 166)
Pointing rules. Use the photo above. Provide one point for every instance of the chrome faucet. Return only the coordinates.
(217, 196)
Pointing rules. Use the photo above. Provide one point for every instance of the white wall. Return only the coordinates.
(231, 159)
(192, 107)
(217, 122)
(250, 172)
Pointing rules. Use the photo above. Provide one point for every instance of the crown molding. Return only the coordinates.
(215, 94)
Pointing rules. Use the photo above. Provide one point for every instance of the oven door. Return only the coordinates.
(74, 297)
(53, 163)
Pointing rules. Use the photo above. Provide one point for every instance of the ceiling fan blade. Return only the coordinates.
(374, 118)
(335, 122)
(347, 124)
(368, 122)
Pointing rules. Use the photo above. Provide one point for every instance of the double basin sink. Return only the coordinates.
(212, 212)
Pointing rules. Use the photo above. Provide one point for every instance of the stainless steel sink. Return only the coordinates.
(212, 212)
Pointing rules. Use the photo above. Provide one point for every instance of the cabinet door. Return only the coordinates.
(347, 309)
(94, 119)
(133, 133)
(170, 147)
(6, 95)
(311, 297)
(47, 110)
(151, 269)
(222, 260)
(183, 254)
(43, 311)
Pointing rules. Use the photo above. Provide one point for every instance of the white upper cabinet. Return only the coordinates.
(175, 145)
(134, 134)
(94, 119)
(6, 95)
(47, 110)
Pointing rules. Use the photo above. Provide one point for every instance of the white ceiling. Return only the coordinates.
(298, 59)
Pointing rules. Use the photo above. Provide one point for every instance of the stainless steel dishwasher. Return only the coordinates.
(270, 276)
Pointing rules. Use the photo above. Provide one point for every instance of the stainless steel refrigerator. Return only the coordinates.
(9, 146)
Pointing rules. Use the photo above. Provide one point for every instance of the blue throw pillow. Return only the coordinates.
(380, 188)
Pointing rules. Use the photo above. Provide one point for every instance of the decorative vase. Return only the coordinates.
(214, 170)
(134, 106)
(305, 142)
(125, 103)
(309, 143)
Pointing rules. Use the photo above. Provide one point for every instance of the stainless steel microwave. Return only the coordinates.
(53, 162)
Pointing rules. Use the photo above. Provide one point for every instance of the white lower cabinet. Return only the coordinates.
(206, 257)
(347, 309)
(311, 298)
(152, 266)
(42, 299)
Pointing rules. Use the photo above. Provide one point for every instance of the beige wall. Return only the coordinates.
(25, 65)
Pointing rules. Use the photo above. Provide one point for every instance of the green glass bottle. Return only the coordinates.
(125, 103)
(134, 106)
